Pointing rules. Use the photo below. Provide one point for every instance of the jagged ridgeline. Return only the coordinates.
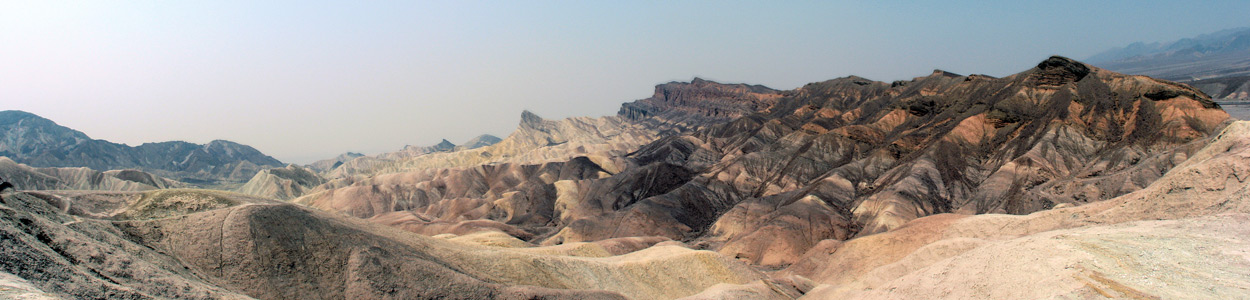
(743, 169)
(851, 157)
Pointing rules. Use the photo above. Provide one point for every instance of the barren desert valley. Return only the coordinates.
(1127, 176)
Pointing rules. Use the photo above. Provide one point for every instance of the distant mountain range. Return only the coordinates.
(1223, 41)
(38, 142)
(1217, 63)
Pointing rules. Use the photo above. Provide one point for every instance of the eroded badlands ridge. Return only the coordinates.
(844, 188)
(831, 160)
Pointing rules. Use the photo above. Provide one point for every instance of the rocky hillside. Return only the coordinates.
(282, 183)
(30, 178)
(32, 140)
(197, 244)
(831, 160)
(539, 144)
(944, 186)
(294, 181)
(535, 140)
(1184, 236)
(177, 244)
(675, 108)
(331, 163)
(368, 163)
(852, 157)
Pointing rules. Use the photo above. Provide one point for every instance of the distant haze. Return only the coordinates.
(303, 81)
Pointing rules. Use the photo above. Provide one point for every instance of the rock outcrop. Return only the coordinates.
(699, 102)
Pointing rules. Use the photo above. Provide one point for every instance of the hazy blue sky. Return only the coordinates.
(307, 80)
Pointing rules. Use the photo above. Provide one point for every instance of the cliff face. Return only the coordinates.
(38, 142)
(700, 102)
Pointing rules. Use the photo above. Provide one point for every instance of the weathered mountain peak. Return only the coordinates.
(530, 120)
(444, 145)
(1057, 70)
